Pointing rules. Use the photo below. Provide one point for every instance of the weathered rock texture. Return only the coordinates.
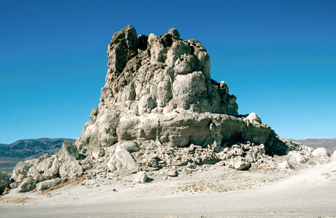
(160, 111)
(159, 88)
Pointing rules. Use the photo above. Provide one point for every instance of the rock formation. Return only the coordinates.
(160, 111)
(4, 181)
(158, 88)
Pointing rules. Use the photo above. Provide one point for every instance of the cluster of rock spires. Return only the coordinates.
(160, 111)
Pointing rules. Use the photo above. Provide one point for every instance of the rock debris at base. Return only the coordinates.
(161, 113)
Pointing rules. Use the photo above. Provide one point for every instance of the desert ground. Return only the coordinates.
(214, 191)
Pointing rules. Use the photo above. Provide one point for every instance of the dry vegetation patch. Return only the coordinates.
(69, 182)
(77, 181)
(20, 200)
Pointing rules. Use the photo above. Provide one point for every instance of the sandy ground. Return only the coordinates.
(213, 192)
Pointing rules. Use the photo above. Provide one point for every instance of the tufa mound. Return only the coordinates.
(161, 112)
(159, 89)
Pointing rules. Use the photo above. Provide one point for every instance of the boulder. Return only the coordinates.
(122, 162)
(4, 181)
(21, 169)
(68, 150)
(253, 117)
(141, 177)
(320, 155)
(239, 164)
(48, 184)
(13, 185)
(71, 168)
(53, 170)
(98, 153)
(32, 172)
(27, 185)
(171, 173)
(320, 152)
(44, 163)
(296, 157)
(130, 146)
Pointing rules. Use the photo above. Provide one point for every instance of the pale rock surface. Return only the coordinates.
(253, 117)
(98, 153)
(171, 173)
(130, 146)
(320, 155)
(284, 165)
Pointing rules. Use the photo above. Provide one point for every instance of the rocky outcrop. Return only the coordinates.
(4, 181)
(42, 172)
(26, 149)
(162, 75)
(160, 111)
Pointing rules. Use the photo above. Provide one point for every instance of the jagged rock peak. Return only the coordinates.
(158, 88)
(159, 74)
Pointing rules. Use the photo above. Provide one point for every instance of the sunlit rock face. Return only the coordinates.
(159, 74)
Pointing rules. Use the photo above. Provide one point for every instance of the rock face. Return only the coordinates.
(160, 110)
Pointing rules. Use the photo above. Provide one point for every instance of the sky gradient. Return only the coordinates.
(277, 57)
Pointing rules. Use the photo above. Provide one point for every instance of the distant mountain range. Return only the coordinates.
(26, 149)
(329, 144)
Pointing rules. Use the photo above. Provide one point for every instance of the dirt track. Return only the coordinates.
(310, 193)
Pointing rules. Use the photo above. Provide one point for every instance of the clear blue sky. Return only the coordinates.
(278, 58)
